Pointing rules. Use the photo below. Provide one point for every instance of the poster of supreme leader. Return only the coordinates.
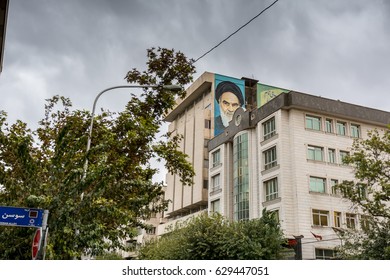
(229, 96)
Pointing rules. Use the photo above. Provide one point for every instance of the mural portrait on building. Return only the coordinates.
(229, 96)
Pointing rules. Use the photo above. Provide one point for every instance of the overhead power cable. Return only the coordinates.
(224, 40)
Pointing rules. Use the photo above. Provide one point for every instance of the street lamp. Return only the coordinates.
(174, 88)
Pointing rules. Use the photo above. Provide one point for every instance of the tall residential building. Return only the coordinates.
(282, 150)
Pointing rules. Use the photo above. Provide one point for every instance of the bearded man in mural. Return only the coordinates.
(230, 98)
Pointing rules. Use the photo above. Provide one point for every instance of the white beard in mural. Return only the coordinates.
(226, 118)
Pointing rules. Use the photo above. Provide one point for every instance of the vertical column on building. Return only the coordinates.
(241, 176)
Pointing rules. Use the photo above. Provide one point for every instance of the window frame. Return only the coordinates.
(216, 156)
(213, 181)
(275, 214)
(315, 187)
(324, 255)
(343, 154)
(351, 220)
(270, 158)
(365, 222)
(269, 128)
(332, 155)
(313, 150)
(213, 204)
(355, 130)
(320, 214)
(333, 183)
(337, 219)
(328, 125)
(271, 189)
(314, 121)
(341, 128)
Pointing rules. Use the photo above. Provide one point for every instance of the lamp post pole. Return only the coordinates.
(174, 88)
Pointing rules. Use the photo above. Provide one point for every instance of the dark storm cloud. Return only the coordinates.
(337, 49)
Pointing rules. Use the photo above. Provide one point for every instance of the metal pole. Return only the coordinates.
(92, 118)
(167, 87)
(42, 249)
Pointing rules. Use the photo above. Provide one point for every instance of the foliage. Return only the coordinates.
(109, 256)
(44, 168)
(370, 192)
(372, 244)
(216, 238)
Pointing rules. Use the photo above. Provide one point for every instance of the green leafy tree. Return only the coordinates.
(370, 192)
(94, 213)
(216, 238)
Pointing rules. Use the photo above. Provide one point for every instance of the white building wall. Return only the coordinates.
(293, 171)
(191, 123)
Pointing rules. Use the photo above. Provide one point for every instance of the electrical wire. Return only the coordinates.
(317, 241)
(224, 40)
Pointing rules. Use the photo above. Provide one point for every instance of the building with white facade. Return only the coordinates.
(281, 151)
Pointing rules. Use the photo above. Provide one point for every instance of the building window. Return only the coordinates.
(329, 126)
(205, 184)
(275, 215)
(317, 184)
(362, 192)
(351, 220)
(215, 183)
(214, 205)
(355, 130)
(270, 158)
(320, 217)
(207, 124)
(240, 177)
(365, 222)
(315, 153)
(341, 128)
(151, 231)
(325, 254)
(332, 155)
(337, 219)
(216, 157)
(313, 122)
(269, 129)
(271, 189)
(343, 154)
(333, 183)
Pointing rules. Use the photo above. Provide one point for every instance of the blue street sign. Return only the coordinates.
(22, 217)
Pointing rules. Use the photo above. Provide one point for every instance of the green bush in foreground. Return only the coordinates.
(216, 238)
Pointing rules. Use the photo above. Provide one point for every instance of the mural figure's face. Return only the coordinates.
(228, 103)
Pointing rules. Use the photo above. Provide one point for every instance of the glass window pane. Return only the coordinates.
(313, 122)
(317, 184)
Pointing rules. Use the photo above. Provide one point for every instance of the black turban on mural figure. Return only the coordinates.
(227, 86)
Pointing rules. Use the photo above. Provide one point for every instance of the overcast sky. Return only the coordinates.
(338, 49)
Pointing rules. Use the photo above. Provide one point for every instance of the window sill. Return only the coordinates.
(318, 226)
(314, 130)
(271, 202)
(316, 161)
(215, 167)
(319, 193)
(274, 137)
(215, 192)
(270, 170)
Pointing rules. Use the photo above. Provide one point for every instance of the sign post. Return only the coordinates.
(44, 232)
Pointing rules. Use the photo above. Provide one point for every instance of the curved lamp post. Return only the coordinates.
(174, 88)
